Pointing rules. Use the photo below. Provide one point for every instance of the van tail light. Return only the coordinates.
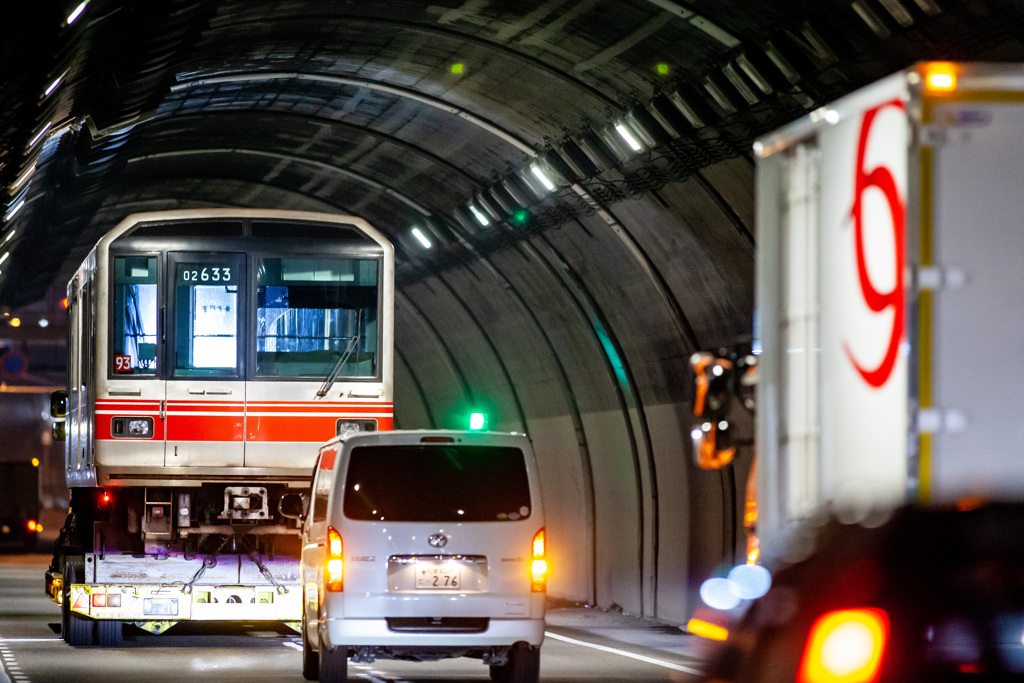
(539, 566)
(845, 646)
(334, 570)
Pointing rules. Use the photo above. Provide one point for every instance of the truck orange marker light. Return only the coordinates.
(940, 76)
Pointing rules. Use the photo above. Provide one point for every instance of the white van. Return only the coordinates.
(423, 545)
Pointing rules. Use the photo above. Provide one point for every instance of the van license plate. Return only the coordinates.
(447, 576)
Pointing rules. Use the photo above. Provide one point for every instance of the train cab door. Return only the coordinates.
(130, 399)
(205, 420)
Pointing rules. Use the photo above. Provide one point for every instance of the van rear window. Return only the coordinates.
(417, 483)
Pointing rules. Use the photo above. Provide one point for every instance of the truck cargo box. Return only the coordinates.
(889, 291)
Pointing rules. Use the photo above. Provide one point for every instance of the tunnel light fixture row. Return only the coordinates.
(686, 107)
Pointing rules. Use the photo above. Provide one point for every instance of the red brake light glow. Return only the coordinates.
(334, 571)
(32, 525)
(105, 499)
(539, 566)
(845, 646)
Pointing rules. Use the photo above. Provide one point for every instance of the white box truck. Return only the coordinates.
(890, 298)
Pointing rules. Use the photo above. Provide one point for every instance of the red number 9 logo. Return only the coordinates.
(882, 179)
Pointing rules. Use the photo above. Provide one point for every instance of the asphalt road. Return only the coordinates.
(31, 650)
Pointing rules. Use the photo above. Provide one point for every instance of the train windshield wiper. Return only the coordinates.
(332, 376)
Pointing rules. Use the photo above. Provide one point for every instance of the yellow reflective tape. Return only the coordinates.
(924, 326)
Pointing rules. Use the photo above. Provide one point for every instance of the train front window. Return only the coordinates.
(314, 314)
(135, 314)
(206, 317)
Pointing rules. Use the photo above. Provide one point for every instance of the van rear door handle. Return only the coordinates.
(196, 391)
(218, 392)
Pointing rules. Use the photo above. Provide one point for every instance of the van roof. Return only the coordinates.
(428, 436)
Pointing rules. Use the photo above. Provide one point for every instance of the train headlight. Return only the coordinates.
(139, 427)
(131, 427)
(352, 426)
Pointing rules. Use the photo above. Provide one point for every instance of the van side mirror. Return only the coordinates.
(293, 505)
(59, 431)
(59, 404)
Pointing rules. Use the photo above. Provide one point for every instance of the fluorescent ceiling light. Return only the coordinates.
(10, 214)
(40, 134)
(78, 10)
(4, 257)
(53, 86)
(542, 177)
(418, 234)
(24, 176)
(628, 137)
(479, 216)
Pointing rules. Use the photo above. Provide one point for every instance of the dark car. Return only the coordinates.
(19, 506)
(934, 594)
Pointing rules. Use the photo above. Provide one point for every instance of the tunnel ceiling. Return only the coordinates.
(417, 114)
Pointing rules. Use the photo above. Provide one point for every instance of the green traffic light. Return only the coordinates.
(476, 421)
(520, 217)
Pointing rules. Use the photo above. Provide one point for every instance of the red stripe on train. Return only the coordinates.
(205, 428)
(302, 428)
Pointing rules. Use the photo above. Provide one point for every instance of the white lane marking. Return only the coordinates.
(649, 660)
(26, 640)
(295, 646)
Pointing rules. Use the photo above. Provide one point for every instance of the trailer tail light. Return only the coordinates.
(105, 499)
(106, 599)
(334, 573)
(539, 566)
(845, 646)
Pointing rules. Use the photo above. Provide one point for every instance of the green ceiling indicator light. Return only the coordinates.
(477, 421)
(662, 69)
(520, 217)
(458, 68)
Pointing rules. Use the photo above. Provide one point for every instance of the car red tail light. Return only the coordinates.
(845, 646)
(32, 525)
(539, 566)
(334, 570)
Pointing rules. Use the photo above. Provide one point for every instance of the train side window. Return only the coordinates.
(206, 317)
(314, 314)
(135, 316)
